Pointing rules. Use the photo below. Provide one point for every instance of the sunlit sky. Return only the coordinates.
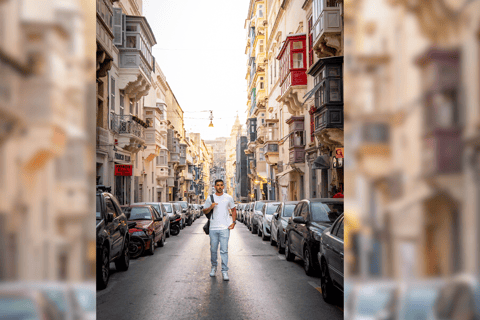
(201, 50)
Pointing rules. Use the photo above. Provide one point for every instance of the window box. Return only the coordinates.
(293, 62)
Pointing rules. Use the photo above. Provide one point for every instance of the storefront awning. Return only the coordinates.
(322, 162)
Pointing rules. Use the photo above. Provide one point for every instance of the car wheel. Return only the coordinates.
(123, 261)
(161, 242)
(288, 254)
(264, 237)
(326, 283)
(259, 231)
(307, 262)
(272, 242)
(136, 247)
(279, 244)
(151, 250)
(103, 268)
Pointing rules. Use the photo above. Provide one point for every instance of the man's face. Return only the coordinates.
(219, 187)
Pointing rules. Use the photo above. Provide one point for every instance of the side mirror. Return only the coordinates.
(109, 217)
(299, 219)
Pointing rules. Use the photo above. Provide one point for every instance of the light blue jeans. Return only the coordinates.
(216, 237)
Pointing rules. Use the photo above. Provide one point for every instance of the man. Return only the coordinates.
(220, 225)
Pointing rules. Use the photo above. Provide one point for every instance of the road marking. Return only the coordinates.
(313, 284)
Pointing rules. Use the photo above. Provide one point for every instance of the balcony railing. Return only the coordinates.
(126, 125)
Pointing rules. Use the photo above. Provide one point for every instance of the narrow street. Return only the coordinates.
(175, 283)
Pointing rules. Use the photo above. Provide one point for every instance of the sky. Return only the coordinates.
(201, 50)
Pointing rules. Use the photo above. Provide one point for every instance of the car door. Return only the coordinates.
(113, 228)
(157, 224)
(294, 235)
(302, 229)
(337, 252)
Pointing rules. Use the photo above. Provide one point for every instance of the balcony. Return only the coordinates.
(161, 172)
(271, 152)
(327, 28)
(182, 162)
(174, 157)
(296, 139)
(136, 62)
(104, 37)
(189, 176)
(443, 152)
(293, 77)
(131, 132)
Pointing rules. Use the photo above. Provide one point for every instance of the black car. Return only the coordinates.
(310, 218)
(112, 236)
(279, 224)
(330, 258)
(186, 210)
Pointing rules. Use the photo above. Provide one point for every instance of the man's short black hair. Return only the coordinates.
(219, 180)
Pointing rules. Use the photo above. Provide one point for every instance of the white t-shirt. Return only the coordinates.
(220, 219)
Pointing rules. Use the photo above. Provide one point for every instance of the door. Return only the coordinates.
(113, 228)
(157, 225)
(294, 235)
(336, 254)
(303, 233)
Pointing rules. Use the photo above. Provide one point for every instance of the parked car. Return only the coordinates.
(310, 218)
(331, 260)
(279, 224)
(187, 211)
(239, 207)
(165, 217)
(246, 214)
(112, 236)
(367, 300)
(173, 216)
(255, 215)
(177, 208)
(265, 222)
(459, 298)
(27, 303)
(149, 219)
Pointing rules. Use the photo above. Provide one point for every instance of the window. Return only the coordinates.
(261, 46)
(310, 42)
(340, 230)
(261, 85)
(122, 103)
(110, 207)
(131, 28)
(131, 41)
(297, 45)
(260, 11)
(112, 93)
(297, 60)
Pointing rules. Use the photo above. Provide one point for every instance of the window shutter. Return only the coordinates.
(117, 26)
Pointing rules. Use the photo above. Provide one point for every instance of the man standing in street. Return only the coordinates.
(220, 225)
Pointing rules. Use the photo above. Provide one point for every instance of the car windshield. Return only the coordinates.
(17, 307)
(271, 208)
(87, 299)
(259, 206)
(168, 207)
(418, 302)
(326, 212)
(370, 301)
(99, 208)
(287, 212)
(139, 213)
(184, 205)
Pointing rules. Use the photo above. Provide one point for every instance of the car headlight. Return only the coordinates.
(138, 233)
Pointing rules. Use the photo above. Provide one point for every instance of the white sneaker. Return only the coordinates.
(225, 276)
(212, 273)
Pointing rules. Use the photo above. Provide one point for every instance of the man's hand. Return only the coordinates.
(231, 226)
(213, 205)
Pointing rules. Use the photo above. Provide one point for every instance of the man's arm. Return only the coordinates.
(207, 210)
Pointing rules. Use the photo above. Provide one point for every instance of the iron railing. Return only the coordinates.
(124, 124)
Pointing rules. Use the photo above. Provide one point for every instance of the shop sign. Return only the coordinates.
(339, 153)
(119, 156)
(123, 170)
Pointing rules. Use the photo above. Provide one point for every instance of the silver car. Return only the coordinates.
(279, 224)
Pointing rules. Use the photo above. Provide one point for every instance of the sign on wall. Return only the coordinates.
(123, 170)
(339, 153)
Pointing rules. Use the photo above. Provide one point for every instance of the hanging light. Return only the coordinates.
(211, 118)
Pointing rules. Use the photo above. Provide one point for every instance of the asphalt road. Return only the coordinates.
(175, 283)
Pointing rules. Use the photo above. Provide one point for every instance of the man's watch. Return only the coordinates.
(234, 222)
